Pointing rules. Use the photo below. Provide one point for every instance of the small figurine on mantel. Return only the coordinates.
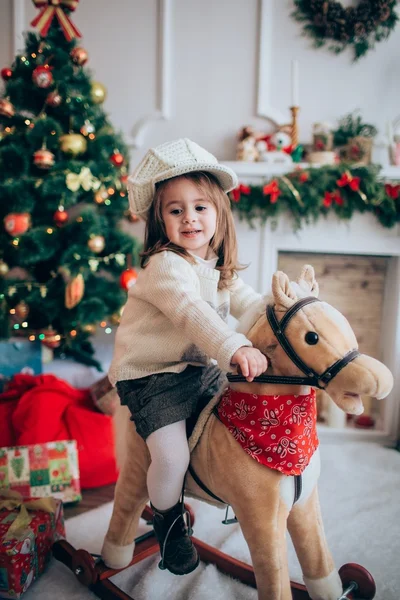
(257, 146)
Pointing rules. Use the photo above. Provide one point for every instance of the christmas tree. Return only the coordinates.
(65, 263)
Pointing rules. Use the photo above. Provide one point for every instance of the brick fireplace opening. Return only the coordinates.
(355, 285)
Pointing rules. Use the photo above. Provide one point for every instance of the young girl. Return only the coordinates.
(174, 321)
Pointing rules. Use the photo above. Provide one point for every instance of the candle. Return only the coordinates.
(295, 83)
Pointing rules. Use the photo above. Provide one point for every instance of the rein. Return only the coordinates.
(312, 378)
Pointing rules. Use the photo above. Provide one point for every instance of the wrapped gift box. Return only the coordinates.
(25, 553)
(20, 356)
(42, 470)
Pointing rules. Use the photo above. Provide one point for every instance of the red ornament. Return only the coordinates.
(42, 76)
(6, 73)
(54, 99)
(17, 223)
(117, 159)
(79, 56)
(60, 217)
(124, 179)
(6, 108)
(304, 176)
(128, 278)
(43, 158)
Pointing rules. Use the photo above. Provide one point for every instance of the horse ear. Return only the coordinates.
(283, 293)
(307, 280)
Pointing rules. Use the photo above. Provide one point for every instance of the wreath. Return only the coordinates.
(327, 21)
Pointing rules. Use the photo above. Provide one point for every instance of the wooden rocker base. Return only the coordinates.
(94, 574)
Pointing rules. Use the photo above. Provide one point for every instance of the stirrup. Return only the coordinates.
(227, 521)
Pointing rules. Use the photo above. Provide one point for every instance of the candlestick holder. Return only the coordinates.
(294, 131)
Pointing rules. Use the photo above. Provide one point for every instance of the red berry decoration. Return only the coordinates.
(128, 278)
(6, 73)
(60, 217)
(117, 159)
(17, 223)
(42, 76)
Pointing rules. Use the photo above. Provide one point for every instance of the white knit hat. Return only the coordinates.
(170, 160)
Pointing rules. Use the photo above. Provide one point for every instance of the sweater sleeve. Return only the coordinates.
(243, 297)
(171, 287)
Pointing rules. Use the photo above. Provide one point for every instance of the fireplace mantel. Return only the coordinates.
(259, 247)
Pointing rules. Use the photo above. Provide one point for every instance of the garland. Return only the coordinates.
(360, 27)
(308, 194)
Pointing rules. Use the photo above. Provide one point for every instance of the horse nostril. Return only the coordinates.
(311, 338)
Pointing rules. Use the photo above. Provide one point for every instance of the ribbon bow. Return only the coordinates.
(84, 179)
(272, 190)
(241, 189)
(392, 191)
(10, 500)
(55, 8)
(348, 179)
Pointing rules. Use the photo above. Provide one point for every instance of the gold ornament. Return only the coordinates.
(4, 268)
(96, 243)
(74, 291)
(89, 328)
(73, 144)
(22, 310)
(6, 108)
(98, 92)
(101, 196)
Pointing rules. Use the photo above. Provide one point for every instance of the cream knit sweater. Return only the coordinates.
(175, 316)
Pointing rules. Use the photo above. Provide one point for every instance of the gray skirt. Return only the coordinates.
(164, 398)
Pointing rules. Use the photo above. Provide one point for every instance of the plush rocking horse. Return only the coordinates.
(255, 448)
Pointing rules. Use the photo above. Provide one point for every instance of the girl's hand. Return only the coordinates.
(251, 361)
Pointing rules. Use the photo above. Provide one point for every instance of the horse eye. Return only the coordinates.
(312, 338)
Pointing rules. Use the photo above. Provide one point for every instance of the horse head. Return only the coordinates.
(303, 337)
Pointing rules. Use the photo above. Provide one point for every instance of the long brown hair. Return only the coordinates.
(223, 242)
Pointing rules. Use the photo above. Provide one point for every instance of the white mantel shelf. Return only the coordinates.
(263, 169)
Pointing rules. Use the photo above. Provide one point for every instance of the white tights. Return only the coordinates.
(170, 457)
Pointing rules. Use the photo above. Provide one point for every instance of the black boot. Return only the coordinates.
(178, 553)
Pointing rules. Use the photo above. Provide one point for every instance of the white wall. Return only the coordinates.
(214, 71)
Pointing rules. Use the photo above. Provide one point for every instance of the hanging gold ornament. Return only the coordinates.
(4, 268)
(74, 291)
(22, 310)
(96, 243)
(101, 196)
(98, 92)
(6, 108)
(73, 144)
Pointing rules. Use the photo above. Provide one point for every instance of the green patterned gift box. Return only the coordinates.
(42, 470)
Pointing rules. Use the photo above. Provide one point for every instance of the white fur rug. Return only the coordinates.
(360, 498)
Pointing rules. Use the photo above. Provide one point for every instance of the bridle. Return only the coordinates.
(312, 378)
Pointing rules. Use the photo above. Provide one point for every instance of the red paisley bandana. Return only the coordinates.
(277, 431)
